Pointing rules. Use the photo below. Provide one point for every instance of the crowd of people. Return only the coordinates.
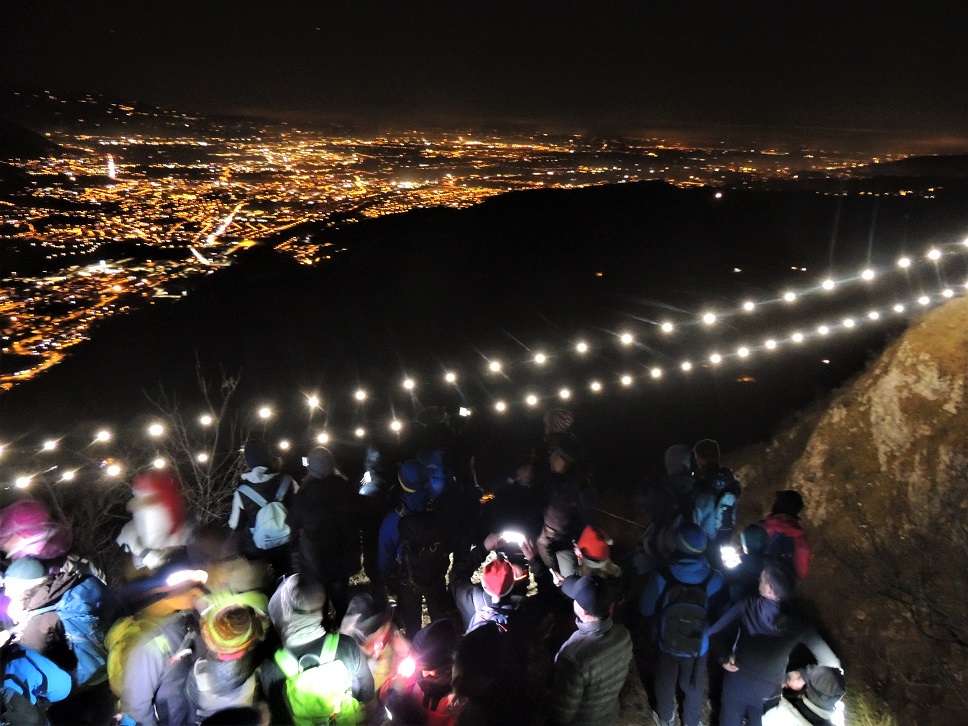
(417, 596)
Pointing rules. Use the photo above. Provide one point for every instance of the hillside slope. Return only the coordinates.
(884, 473)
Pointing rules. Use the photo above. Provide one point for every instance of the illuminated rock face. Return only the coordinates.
(884, 473)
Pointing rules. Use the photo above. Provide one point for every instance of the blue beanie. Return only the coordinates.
(690, 539)
(413, 476)
(25, 568)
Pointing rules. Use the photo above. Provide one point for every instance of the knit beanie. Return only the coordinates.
(233, 624)
(364, 617)
(26, 568)
(825, 687)
(434, 646)
(320, 463)
(755, 538)
(413, 476)
(787, 501)
(497, 579)
(677, 459)
(690, 539)
(594, 546)
(256, 453)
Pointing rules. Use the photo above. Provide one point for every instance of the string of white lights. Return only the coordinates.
(531, 398)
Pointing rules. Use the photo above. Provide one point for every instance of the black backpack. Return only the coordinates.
(727, 502)
(780, 550)
(683, 616)
(424, 556)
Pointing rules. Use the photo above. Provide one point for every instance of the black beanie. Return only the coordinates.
(787, 501)
(256, 453)
(434, 646)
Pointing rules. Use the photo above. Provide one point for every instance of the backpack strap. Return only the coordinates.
(252, 494)
(328, 653)
(283, 488)
(287, 663)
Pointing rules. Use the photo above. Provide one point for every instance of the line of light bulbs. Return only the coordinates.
(531, 399)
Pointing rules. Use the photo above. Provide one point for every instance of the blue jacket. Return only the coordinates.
(389, 541)
(42, 678)
(689, 571)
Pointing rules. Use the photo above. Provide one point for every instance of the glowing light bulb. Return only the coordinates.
(450, 377)
(848, 322)
(360, 432)
(948, 293)
(500, 407)
(22, 482)
(564, 394)
(709, 318)
(114, 470)
(595, 386)
(159, 463)
(284, 445)
(749, 305)
(656, 373)
(667, 327)
(265, 412)
(540, 359)
(626, 339)
(904, 262)
(743, 352)
(823, 330)
(205, 420)
(409, 384)
(68, 475)
(360, 395)
(934, 255)
(899, 308)
(924, 300)
(770, 344)
(789, 296)
(156, 430)
(531, 400)
(396, 425)
(323, 438)
(582, 347)
(828, 284)
(202, 457)
(715, 359)
(494, 366)
(965, 242)
(686, 365)
(867, 274)
(797, 337)
(312, 401)
(626, 380)
(103, 436)
(873, 315)
(50, 445)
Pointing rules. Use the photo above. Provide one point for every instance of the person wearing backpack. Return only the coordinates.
(680, 601)
(788, 544)
(325, 524)
(715, 500)
(315, 677)
(488, 601)
(414, 555)
(260, 509)
(31, 683)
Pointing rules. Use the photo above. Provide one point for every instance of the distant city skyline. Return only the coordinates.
(806, 67)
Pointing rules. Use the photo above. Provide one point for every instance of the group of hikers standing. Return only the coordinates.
(418, 596)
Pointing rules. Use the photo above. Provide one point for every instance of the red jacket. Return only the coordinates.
(790, 526)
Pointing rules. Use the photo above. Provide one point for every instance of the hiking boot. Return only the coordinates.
(662, 721)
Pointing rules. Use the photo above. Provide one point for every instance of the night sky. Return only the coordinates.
(888, 66)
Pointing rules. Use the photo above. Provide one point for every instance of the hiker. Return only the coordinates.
(715, 499)
(768, 630)
(788, 544)
(680, 601)
(815, 693)
(744, 579)
(667, 503)
(260, 506)
(591, 667)
(371, 626)
(488, 601)
(31, 683)
(159, 527)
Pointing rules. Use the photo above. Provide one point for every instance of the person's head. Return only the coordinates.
(320, 463)
(593, 547)
(256, 453)
(565, 456)
(787, 501)
(558, 421)
(590, 595)
(232, 624)
(296, 608)
(497, 579)
(482, 658)
(690, 540)
(677, 460)
(413, 483)
(368, 624)
(433, 651)
(825, 686)
(21, 577)
(754, 539)
(706, 453)
(776, 583)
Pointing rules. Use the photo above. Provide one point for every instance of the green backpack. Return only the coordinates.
(319, 689)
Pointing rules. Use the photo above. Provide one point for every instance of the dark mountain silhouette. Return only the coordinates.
(941, 166)
(18, 142)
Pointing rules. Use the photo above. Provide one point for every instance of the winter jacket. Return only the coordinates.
(767, 636)
(590, 670)
(42, 629)
(324, 518)
(154, 693)
(388, 550)
(437, 706)
(244, 511)
(688, 571)
(39, 678)
(474, 605)
(712, 509)
(790, 526)
(273, 680)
